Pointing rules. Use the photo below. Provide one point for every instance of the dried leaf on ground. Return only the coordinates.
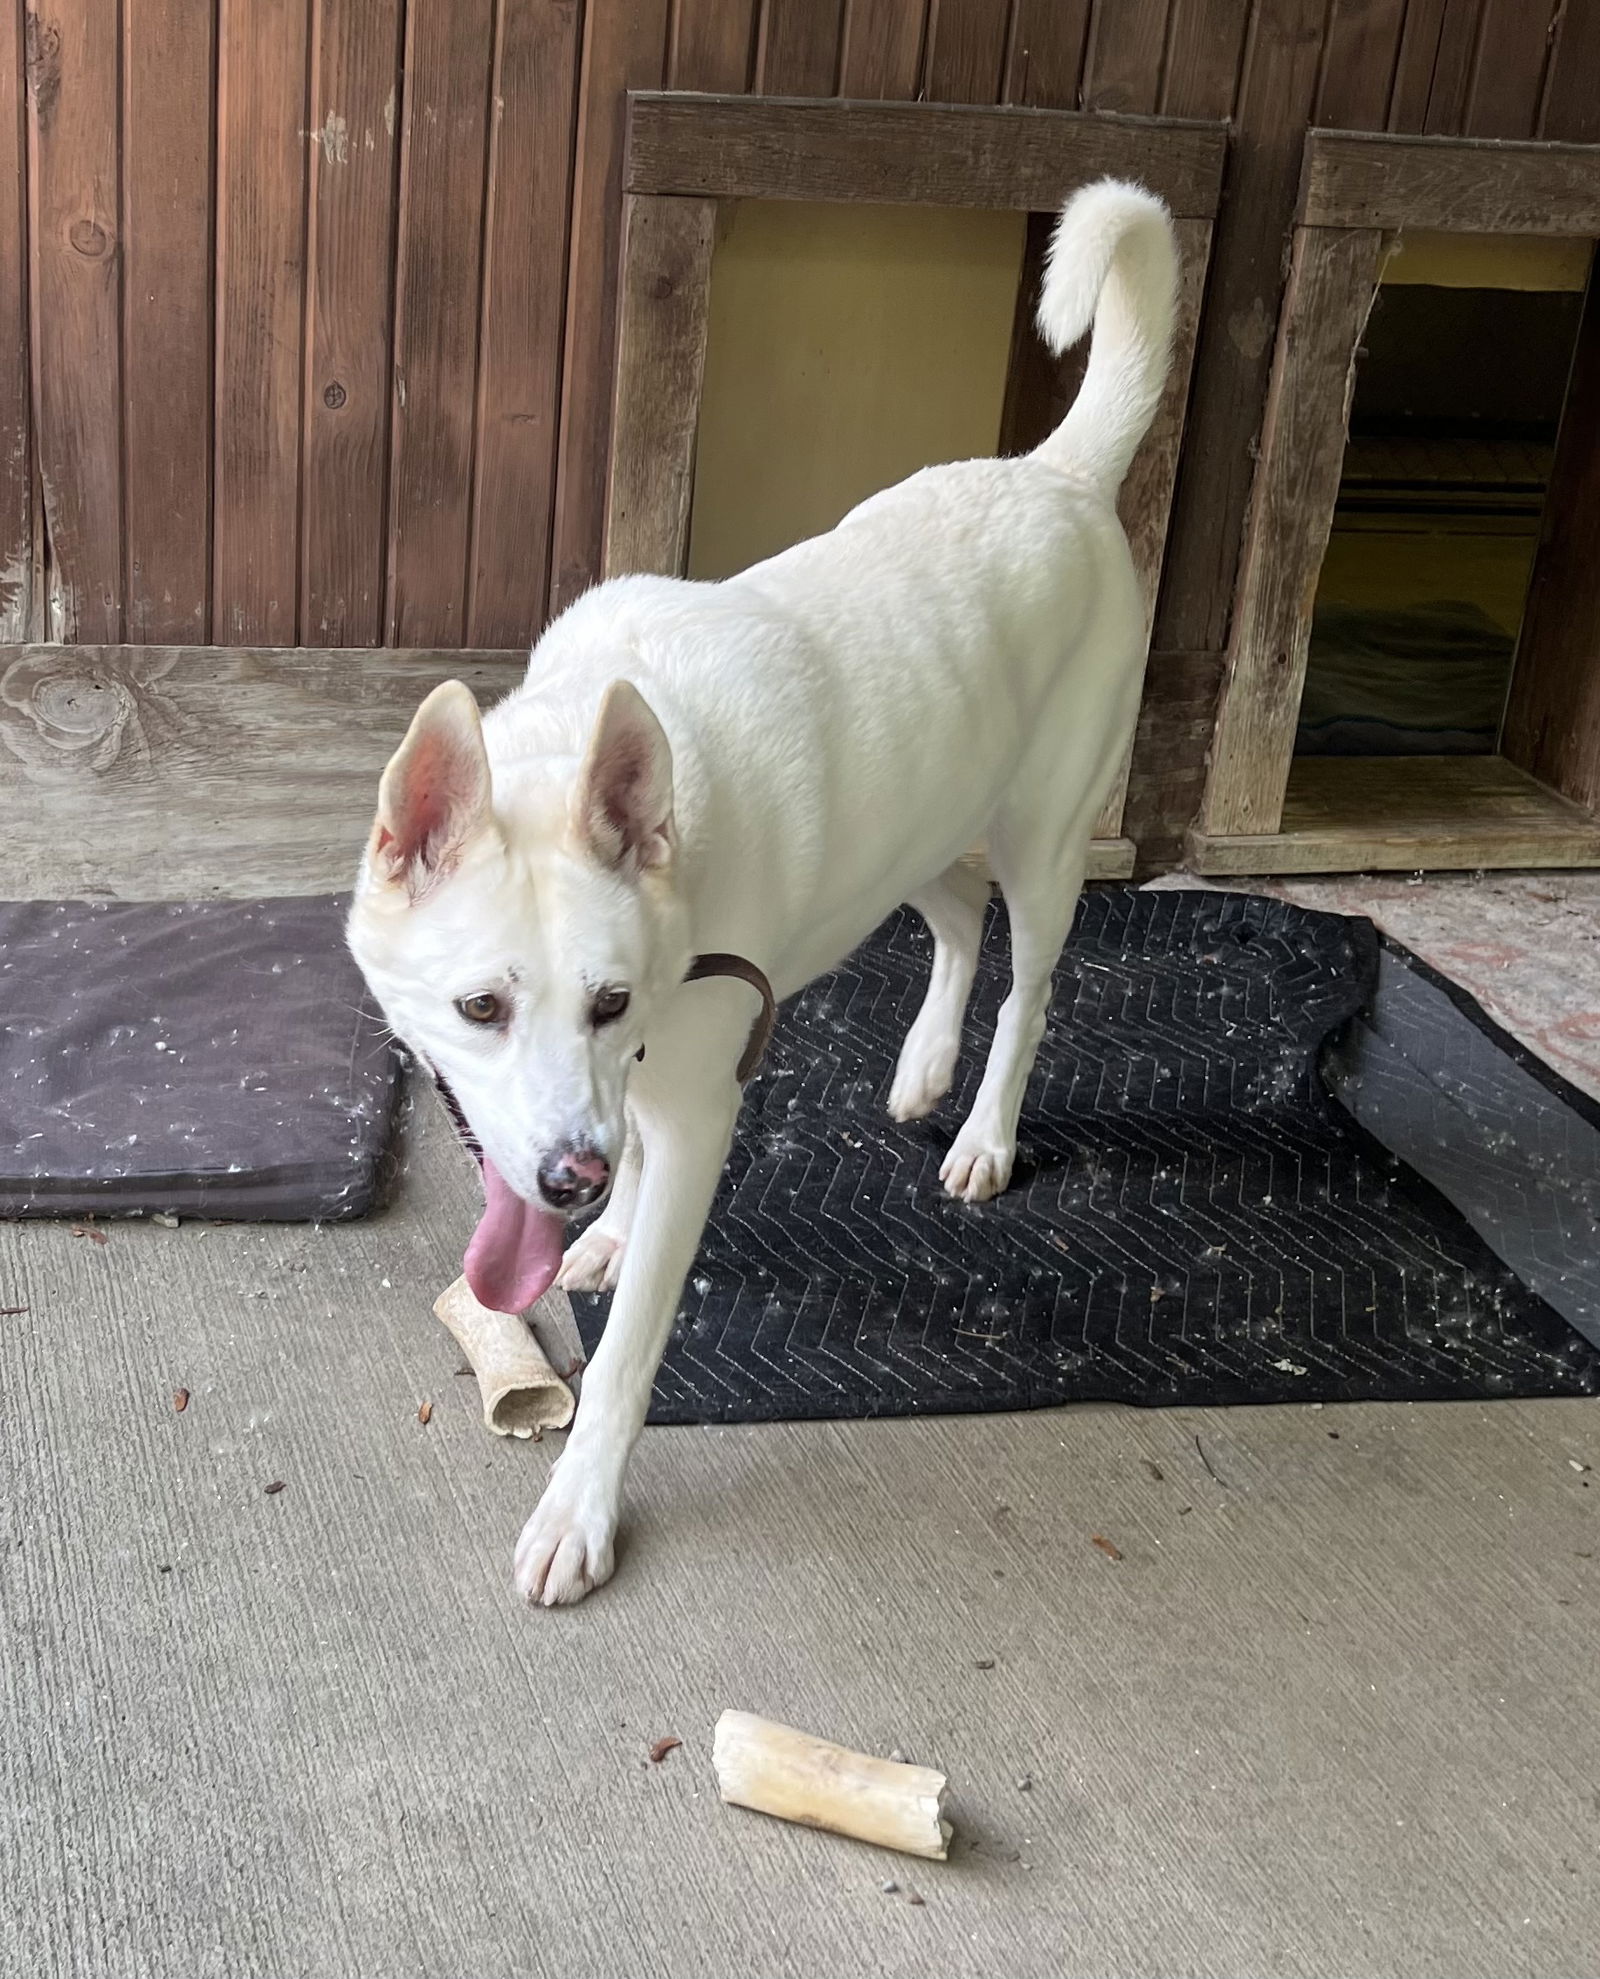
(180, 1399)
(425, 1413)
(1111, 1552)
(662, 1747)
(274, 1487)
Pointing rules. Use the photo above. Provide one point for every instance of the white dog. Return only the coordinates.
(766, 766)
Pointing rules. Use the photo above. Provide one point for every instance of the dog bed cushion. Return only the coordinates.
(220, 1058)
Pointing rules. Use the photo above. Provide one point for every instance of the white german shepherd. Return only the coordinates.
(767, 767)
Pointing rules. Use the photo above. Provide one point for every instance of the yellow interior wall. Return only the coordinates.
(847, 346)
(1488, 261)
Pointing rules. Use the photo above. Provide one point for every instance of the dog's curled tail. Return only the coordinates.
(1112, 264)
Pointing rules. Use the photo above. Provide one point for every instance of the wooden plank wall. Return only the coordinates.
(308, 307)
(283, 308)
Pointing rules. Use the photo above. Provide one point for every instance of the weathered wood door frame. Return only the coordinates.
(1357, 193)
(690, 155)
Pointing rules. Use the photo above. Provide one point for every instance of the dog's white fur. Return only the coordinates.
(771, 765)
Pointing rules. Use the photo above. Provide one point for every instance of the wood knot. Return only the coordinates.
(58, 710)
(334, 396)
(89, 239)
(662, 287)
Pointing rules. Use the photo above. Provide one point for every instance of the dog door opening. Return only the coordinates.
(1459, 389)
(848, 345)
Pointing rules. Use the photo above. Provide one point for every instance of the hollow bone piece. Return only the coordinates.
(522, 1393)
(777, 1770)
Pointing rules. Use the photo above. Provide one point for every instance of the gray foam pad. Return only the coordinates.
(219, 1058)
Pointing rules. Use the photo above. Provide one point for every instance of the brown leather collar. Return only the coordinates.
(743, 971)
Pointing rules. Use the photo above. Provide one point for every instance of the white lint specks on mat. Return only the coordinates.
(216, 1058)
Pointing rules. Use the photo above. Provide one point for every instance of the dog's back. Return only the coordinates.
(863, 695)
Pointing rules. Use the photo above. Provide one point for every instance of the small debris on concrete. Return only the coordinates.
(1111, 1552)
(274, 1487)
(1573, 1464)
(889, 1886)
(425, 1413)
(94, 1236)
(915, 1898)
(1025, 1784)
(1157, 1474)
(983, 1663)
(662, 1747)
(165, 1219)
(180, 1400)
(897, 1756)
(13, 1312)
(1210, 1467)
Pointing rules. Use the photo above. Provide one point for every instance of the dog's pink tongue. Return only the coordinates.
(515, 1251)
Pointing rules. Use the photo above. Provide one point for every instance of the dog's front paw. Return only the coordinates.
(976, 1168)
(922, 1076)
(566, 1548)
(593, 1261)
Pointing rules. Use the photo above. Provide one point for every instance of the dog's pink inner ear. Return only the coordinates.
(435, 791)
(625, 793)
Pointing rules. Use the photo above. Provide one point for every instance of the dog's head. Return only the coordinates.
(518, 938)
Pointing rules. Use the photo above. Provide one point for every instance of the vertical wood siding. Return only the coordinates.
(308, 307)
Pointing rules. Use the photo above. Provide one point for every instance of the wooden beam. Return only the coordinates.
(914, 154)
(1332, 281)
(1145, 500)
(1041, 387)
(1111, 858)
(1361, 814)
(1552, 724)
(181, 772)
(1468, 185)
(661, 354)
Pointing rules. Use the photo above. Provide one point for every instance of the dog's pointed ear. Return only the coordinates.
(623, 802)
(434, 794)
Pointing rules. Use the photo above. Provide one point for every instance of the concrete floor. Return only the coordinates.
(1332, 1712)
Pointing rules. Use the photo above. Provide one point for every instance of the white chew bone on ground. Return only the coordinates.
(777, 1770)
(522, 1393)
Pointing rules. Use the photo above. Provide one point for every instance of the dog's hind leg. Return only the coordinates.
(593, 1260)
(1040, 869)
(952, 906)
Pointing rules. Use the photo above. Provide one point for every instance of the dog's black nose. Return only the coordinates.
(574, 1180)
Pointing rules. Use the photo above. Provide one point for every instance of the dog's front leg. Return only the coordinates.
(566, 1547)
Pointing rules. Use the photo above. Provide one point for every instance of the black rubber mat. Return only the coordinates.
(1193, 1220)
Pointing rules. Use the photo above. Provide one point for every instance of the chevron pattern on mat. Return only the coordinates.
(1192, 1220)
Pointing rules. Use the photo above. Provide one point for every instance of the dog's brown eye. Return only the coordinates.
(608, 1006)
(484, 1008)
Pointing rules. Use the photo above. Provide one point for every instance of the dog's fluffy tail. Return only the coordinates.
(1112, 264)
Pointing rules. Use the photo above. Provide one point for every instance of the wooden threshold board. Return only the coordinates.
(1111, 858)
(190, 772)
(1361, 814)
